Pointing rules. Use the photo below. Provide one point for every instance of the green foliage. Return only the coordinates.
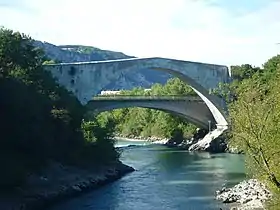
(50, 62)
(17, 47)
(86, 49)
(174, 86)
(99, 135)
(255, 118)
(228, 91)
(272, 65)
(244, 71)
(144, 122)
(39, 119)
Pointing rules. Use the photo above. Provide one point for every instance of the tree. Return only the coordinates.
(255, 120)
(244, 71)
(40, 120)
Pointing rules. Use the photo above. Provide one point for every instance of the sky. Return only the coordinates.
(228, 32)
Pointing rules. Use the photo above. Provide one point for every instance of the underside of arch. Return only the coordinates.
(190, 116)
(192, 120)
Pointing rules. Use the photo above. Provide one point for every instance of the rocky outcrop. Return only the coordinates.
(202, 141)
(182, 143)
(58, 182)
(250, 194)
(216, 146)
(207, 143)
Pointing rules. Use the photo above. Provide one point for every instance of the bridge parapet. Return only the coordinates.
(146, 98)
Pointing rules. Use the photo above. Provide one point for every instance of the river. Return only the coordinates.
(165, 179)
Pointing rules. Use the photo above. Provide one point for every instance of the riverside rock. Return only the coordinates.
(250, 193)
(203, 141)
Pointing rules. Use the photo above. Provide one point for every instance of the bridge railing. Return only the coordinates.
(135, 97)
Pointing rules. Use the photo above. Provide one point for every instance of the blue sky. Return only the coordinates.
(214, 31)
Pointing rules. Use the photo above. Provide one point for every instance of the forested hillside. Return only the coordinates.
(41, 121)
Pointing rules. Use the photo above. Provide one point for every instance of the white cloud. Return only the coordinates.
(182, 29)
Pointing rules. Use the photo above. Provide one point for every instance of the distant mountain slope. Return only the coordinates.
(78, 53)
(95, 53)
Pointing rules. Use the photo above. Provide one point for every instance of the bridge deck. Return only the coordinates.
(146, 98)
(134, 59)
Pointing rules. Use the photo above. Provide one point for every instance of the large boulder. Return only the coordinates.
(177, 138)
(217, 145)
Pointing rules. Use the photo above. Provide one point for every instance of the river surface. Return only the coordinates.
(165, 179)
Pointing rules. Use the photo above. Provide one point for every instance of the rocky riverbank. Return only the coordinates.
(152, 139)
(248, 194)
(59, 182)
(217, 145)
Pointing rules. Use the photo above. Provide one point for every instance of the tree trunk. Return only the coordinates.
(272, 177)
(274, 180)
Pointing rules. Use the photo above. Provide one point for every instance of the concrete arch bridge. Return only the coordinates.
(86, 79)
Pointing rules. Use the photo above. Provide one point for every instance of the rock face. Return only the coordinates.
(250, 193)
(77, 53)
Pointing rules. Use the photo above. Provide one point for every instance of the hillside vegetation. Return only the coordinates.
(41, 121)
(253, 99)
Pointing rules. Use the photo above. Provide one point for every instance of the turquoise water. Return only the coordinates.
(165, 179)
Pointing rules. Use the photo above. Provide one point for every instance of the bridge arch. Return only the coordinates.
(194, 111)
(87, 78)
(214, 103)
